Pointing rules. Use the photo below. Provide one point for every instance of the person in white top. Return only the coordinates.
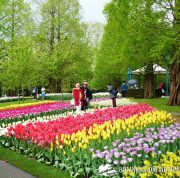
(43, 93)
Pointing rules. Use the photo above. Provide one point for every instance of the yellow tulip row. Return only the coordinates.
(109, 128)
(169, 166)
(14, 106)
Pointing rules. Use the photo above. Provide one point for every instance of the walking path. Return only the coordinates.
(9, 171)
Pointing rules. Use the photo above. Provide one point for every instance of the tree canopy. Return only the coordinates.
(139, 33)
(52, 51)
(56, 49)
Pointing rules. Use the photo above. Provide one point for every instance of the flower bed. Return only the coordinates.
(131, 152)
(9, 99)
(45, 133)
(14, 121)
(28, 110)
(15, 106)
(103, 95)
(127, 158)
(168, 166)
(17, 111)
(106, 102)
(43, 117)
(112, 137)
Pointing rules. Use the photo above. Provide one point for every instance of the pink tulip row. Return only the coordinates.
(43, 133)
(34, 109)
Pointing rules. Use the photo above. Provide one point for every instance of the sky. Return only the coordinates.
(92, 10)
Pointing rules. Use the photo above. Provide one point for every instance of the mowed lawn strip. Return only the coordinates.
(160, 104)
(33, 167)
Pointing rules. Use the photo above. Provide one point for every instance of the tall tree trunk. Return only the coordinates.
(52, 82)
(59, 21)
(0, 89)
(174, 98)
(12, 20)
(149, 82)
(62, 91)
(52, 31)
(52, 85)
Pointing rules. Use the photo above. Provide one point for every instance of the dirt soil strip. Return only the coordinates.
(9, 171)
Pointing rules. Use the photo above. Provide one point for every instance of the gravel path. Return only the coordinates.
(9, 171)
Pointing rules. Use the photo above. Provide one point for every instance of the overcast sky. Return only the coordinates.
(92, 10)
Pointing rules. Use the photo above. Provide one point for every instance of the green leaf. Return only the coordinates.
(7, 144)
(88, 169)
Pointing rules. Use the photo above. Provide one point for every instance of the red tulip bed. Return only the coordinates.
(45, 133)
(73, 143)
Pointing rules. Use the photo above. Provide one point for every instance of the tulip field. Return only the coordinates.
(130, 140)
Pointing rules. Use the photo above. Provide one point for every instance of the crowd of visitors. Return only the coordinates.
(82, 95)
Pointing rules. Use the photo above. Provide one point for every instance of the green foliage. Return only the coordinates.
(16, 52)
(137, 33)
(64, 38)
(53, 51)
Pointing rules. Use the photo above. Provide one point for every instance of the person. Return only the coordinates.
(35, 92)
(162, 87)
(113, 94)
(123, 89)
(43, 93)
(87, 96)
(78, 96)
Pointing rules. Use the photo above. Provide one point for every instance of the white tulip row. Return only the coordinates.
(108, 103)
(6, 98)
(103, 95)
(59, 94)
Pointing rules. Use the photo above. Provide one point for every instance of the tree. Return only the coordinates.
(19, 70)
(94, 33)
(14, 23)
(137, 34)
(168, 45)
(64, 38)
(112, 59)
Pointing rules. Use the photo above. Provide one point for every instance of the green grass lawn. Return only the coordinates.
(159, 103)
(33, 167)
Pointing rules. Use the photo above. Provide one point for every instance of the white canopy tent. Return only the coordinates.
(157, 70)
